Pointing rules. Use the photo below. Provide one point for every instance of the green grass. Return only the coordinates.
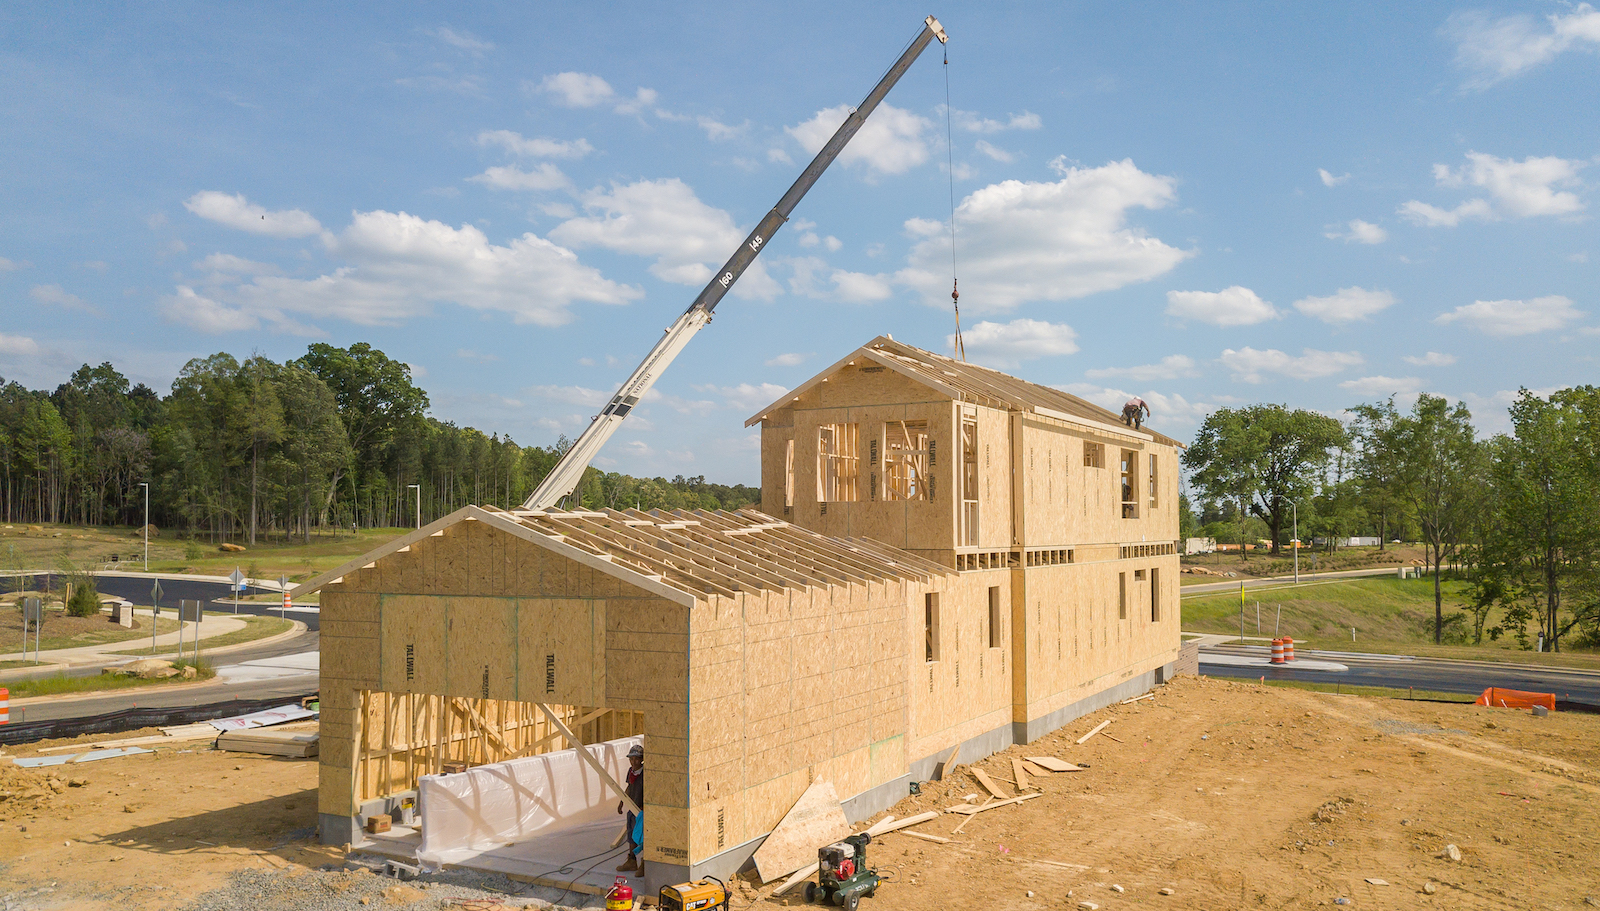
(1391, 616)
(255, 628)
(61, 685)
(8, 665)
(63, 631)
(1262, 563)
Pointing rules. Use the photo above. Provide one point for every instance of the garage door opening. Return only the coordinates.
(497, 785)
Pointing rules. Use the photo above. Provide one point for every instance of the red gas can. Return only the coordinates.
(620, 898)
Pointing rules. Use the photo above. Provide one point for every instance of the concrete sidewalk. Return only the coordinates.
(209, 628)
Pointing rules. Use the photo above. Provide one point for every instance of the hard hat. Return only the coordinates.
(636, 750)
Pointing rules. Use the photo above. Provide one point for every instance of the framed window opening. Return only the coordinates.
(838, 463)
(788, 475)
(1094, 455)
(930, 625)
(969, 483)
(994, 617)
(1122, 596)
(1155, 595)
(1130, 484)
(1153, 486)
(905, 456)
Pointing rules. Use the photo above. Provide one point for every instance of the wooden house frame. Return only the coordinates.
(981, 588)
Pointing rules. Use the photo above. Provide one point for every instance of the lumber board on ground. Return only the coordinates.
(923, 835)
(969, 810)
(1097, 729)
(1054, 764)
(989, 785)
(1019, 772)
(298, 744)
(815, 820)
(944, 768)
(881, 827)
(1034, 768)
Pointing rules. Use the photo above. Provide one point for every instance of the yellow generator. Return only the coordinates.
(700, 895)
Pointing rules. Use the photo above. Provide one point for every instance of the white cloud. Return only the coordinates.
(1520, 189)
(177, 246)
(1383, 385)
(17, 345)
(717, 131)
(578, 90)
(463, 40)
(1420, 213)
(536, 147)
(544, 176)
(202, 314)
(238, 212)
(229, 264)
(890, 142)
(1345, 305)
(1233, 306)
(11, 265)
(1170, 367)
(1248, 364)
(1008, 344)
(642, 98)
(1024, 241)
(1165, 409)
(998, 154)
(399, 265)
(571, 395)
(57, 296)
(860, 288)
(791, 359)
(1515, 317)
(1496, 49)
(973, 123)
(1431, 359)
(779, 156)
(747, 397)
(664, 219)
(1359, 232)
(1328, 180)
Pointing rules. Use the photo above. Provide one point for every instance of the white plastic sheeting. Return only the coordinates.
(490, 806)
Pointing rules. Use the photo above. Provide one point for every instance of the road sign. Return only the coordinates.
(283, 582)
(32, 610)
(155, 592)
(237, 579)
(189, 611)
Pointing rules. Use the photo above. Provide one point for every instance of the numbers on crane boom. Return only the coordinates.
(755, 243)
(726, 279)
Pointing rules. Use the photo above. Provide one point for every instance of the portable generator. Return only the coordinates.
(843, 876)
(699, 895)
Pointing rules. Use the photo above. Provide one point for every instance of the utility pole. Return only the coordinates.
(146, 486)
(1296, 512)
(418, 489)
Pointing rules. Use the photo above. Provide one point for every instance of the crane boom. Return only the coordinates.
(569, 471)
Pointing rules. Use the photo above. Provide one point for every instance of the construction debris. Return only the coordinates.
(294, 744)
(1097, 729)
(988, 784)
(816, 819)
(1056, 765)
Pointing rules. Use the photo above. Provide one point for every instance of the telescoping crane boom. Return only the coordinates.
(569, 471)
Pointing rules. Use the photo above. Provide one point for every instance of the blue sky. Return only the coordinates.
(1204, 204)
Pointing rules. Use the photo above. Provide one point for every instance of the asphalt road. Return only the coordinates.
(1249, 582)
(1442, 675)
(137, 590)
(82, 706)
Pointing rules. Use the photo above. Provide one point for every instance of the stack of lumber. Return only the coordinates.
(295, 744)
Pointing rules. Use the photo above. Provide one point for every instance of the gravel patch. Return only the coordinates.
(356, 888)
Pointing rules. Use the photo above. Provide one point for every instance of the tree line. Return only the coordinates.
(242, 450)
(1518, 513)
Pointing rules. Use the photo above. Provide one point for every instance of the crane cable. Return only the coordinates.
(949, 151)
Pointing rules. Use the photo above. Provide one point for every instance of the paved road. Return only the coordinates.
(1439, 674)
(77, 707)
(137, 590)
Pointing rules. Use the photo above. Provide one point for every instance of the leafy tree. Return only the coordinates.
(1439, 471)
(1263, 457)
(1379, 464)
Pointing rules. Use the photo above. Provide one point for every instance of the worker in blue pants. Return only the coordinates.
(635, 788)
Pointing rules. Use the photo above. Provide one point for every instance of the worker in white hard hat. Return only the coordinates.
(635, 788)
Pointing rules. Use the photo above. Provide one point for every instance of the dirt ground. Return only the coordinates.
(1233, 795)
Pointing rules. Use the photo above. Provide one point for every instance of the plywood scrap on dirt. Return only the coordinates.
(1054, 764)
(1034, 769)
(295, 744)
(944, 768)
(988, 784)
(1020, 773)
(969, 810)
(881, 827)
(815, 820)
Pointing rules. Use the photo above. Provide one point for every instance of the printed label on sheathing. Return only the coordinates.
(872, 486)
(486, 681)
(872, 452)
(933, 453)
(674, 853)
(550, 673)
(933, 481)
(721, 826)
(411, 661)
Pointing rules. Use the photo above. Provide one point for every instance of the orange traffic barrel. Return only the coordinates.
(1277, 651)
(5, 706)
(1288, 649)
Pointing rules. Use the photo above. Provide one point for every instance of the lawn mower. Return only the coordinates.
(842, 873)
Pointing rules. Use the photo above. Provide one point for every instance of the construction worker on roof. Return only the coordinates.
(1135, 412)
(635, 787)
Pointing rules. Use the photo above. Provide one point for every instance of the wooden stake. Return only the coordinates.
(1097, 729)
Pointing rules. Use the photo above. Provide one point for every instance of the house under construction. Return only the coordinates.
(945, 556)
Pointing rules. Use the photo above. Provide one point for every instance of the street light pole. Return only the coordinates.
(146, 486)
(1296, 511)
(418, 489)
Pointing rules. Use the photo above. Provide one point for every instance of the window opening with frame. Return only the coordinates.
(1094, 455)
(1155, 595)
(1130, 484)
(905, 456)
(994, 616)
(969, 483)
(788, 474)
(1152, 480)
(838, 463)
(930, 625)
(1122, 596)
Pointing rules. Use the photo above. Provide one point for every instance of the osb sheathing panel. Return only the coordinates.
(1069, 504)
(788, 686)
(966, 692)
